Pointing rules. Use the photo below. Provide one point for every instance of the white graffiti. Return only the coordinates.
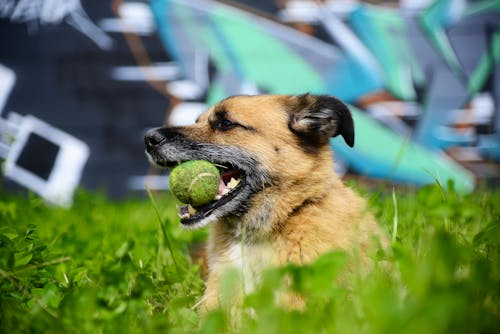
(45, 12)
(7, 81)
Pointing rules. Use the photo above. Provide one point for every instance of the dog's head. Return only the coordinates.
(266, 142)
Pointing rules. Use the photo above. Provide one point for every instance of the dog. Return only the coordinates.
(286, 204)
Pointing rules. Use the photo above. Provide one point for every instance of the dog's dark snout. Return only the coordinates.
(154, 138)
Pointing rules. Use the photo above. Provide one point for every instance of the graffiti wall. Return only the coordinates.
(75, 73)
(422, 79)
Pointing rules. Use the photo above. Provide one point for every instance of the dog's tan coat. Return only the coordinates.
(308, 212)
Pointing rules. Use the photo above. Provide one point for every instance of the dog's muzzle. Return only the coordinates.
(241, 174)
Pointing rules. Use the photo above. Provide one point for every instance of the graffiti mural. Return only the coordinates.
(422, 79)
(416, 86)
(50, 12)
(74, 103)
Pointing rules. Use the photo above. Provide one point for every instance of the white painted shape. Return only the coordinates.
(309, 11)
(44, 12)
(186, 113)
(7, 81)
(54, 11)
(80, 21)
(134, 17)
(483, 106)
(136, 11)
(159, 71)
(68, 166)
(299, 11)
(185, 89)
(116, 25)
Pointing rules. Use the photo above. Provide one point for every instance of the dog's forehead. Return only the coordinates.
(251, 107)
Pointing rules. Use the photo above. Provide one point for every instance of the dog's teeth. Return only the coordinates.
(233, 183)
(218, 197)
(191, 210)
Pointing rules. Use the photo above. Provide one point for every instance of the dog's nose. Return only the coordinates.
(154, 139)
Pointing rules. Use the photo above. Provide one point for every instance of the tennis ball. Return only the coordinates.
(195, 182)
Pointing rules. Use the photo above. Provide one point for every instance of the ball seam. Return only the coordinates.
(198, 177)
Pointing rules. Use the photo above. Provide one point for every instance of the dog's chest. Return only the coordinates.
(250, 261)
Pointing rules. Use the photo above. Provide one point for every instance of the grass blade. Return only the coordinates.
(395, 219)
(162, 227)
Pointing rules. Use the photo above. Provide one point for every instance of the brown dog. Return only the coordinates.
(288, 205)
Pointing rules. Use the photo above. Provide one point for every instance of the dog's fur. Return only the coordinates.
(291, 207)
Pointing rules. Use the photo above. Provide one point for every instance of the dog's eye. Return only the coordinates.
(224, 125)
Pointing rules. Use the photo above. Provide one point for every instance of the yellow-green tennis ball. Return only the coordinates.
(195, 182)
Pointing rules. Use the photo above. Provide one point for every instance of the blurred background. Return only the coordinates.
(82, 81)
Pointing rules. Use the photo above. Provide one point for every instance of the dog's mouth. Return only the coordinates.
(232, 182)
(242, 176)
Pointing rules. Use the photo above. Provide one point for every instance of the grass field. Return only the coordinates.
(119, 267)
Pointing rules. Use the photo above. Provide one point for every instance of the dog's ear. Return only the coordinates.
(316, 118)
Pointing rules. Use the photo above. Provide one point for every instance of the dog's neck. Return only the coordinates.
(263, 222)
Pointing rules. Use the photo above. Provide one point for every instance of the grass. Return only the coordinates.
(108, 267)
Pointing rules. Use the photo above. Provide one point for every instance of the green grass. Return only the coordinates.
(110, 267)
